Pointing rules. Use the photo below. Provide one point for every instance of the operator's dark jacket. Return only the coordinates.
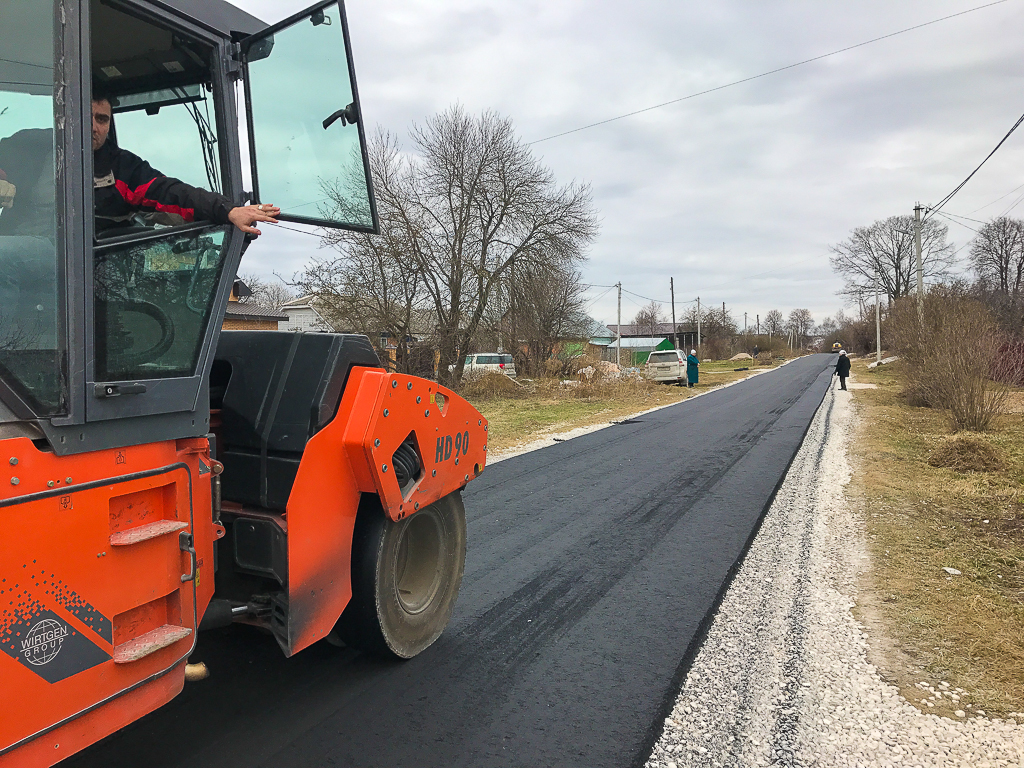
(125, 184)
(843, 366)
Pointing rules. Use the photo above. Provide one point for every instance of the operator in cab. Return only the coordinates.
(125, 184)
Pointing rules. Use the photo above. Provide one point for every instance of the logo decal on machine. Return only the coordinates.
(43, 641)
(445, 444)
(35, 635)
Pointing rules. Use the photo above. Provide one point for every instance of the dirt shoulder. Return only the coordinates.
(547, 408)
(953, 643)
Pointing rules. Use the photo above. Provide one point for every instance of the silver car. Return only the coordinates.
(489, 362)
(669, 366)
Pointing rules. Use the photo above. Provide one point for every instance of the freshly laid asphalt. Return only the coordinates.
(592, 568)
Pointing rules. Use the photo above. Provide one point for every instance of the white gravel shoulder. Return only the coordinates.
(782, 678)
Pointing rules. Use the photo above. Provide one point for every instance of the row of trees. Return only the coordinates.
(995, 257)
(721, 333)
(477, 237)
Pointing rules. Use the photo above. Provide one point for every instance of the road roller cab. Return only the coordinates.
(163, 477)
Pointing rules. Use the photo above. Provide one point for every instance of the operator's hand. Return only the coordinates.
(244, 216)
(7, 191)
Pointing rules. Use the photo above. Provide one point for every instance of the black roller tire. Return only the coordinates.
(405, 577)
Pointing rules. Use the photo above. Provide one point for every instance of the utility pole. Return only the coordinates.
(744, 323)
(672, 291)
(758, 324)
(878, 324)
(618, 329)
(920, 268)
(698, 325)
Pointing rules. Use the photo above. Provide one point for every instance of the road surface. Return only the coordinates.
(592, 566)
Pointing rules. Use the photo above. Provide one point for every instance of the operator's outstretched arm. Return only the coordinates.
(139, 185)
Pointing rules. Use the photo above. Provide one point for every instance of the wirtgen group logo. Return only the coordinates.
(43, 642)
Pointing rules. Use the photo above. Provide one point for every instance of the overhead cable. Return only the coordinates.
(938, 206)
(769, 72)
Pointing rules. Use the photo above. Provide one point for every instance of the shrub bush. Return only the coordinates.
(951, 351)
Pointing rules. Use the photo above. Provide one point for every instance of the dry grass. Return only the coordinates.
(967, 453)
(548, 406)
(493, 386)
(924, 624)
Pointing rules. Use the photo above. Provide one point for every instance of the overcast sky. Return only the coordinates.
(736, 194)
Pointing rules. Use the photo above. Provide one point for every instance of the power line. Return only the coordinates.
(766, 74)
(947, 198)
(954, 221)
(1013, 205)
(947, 214)
(986, 205)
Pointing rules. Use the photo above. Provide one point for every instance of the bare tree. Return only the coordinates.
(800, 324)
(266, 292)
(478, 204)
(370, 283)
(648, 319)
(997, 255)
(886, 248)
(774, 323)
(545, 306)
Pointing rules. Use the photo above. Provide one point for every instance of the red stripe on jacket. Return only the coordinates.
(137, 197)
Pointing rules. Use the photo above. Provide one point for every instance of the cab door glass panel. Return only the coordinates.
(31, 360)
(153, 304)
(306, 139)
(159, 86)
(174, 130)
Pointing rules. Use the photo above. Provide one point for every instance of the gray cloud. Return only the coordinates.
(736, 194)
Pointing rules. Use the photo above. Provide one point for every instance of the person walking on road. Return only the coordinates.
(842, 368)
(692, 363)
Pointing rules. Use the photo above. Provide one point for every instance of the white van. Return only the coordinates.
(489, 362)
(667, 366)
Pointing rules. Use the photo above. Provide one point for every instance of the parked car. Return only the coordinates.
(489, 362)
(669, 366)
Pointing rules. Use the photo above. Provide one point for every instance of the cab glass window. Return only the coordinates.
(305, 140)
(31, 360)
(153, 302)
(154, 291)
(174, 131)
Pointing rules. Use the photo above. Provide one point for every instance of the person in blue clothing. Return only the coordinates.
(692, 364)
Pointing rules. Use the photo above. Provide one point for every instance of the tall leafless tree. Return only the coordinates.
(480, 204)
(800, 323)
(997, 255)
(370, 283)
(886, 248)
(468, 206)
(648, 319)
(543, 305)
(774, 323)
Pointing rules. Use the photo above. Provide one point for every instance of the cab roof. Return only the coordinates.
(217, 16)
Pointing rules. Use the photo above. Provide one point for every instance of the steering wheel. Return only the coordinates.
(115, 336)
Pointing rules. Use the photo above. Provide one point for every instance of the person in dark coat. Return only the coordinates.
(842, 368)
(692, 363)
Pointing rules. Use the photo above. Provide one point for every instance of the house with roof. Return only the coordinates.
(633, 351)
(244, 316)
(686, 334)
(302, 315)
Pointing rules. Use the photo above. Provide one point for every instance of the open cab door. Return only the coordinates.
(306, 141)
